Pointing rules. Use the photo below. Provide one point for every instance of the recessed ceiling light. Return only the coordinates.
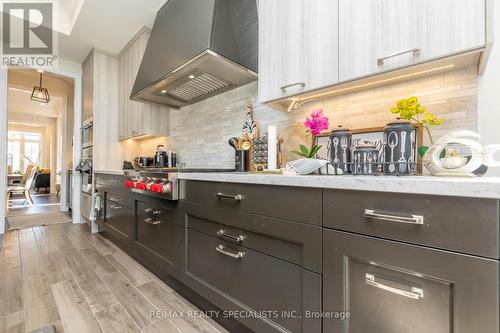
(192, 76)
(163, 91)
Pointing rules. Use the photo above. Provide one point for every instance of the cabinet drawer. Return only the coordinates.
(468, 225)
(120, 197)
(157, 239)
(297, 243)
(392, 287)
(297, 204)
(237, 278)
(161, 209)
(121, 219)
(110, 180)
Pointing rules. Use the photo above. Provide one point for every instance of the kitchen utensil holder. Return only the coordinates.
(240, 160)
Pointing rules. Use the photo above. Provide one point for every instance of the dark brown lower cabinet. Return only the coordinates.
(392, 287)
(119, 220)
(157, 244)
(236, 270)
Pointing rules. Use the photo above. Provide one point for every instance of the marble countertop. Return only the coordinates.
(485, 187)
(480, 187)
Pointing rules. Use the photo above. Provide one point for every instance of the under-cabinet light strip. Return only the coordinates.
(297, 102)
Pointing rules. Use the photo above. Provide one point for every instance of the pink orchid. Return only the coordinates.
(317, 123)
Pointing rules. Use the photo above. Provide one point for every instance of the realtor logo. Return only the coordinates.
(28, 35)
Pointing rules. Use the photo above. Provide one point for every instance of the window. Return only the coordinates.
(14, 155)
(20, 145)
(32, 151)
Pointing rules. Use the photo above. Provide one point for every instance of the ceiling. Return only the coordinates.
(106, 25)
(20, 103)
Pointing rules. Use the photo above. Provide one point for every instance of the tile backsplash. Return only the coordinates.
(200, 132)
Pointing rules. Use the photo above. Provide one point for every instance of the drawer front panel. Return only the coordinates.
(297, 243)
(120, 197)
(296, 204)
(121, 218)
(110, 180)
(249, 280)
(158, 239)
(392, 287)
(157, 235)
(161, 209)
(467, 225)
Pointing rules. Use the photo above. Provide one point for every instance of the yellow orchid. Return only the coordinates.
(410, 109)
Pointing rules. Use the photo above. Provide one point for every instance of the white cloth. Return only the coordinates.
(97, 205)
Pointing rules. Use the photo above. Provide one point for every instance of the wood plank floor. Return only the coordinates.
(63, 275)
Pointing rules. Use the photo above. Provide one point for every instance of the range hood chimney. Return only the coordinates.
(198, 49)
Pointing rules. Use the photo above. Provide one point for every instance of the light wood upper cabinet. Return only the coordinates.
(379, 35)
(298, 46)
(135, 118)
(88, 87)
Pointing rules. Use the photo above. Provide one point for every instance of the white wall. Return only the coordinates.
(489, 92)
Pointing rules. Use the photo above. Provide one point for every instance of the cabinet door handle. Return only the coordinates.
(408, 291)
(116, 207)
(152, 222)
(223, 234)
(416, 51)
(152, 211)
(236, 197)
(413, 219)
(285, 87)
(222, 249)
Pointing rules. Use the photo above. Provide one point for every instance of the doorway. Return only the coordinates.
(39, 149)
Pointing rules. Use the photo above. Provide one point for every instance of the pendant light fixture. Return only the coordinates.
(39, 93)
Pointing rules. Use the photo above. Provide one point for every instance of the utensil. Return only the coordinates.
(336, 150)
(343, 145)
(233, 142)
(402, 159)
(246, 144)
(392, 145)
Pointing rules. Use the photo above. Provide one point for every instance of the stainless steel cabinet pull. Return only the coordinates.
(412, 292)
(222, 249)
(223, 233)
(416, 51)
(115, 199)
(152, 211)
(236, 197)
(285, 87)
(152, 222)
(414, 219)
(116, 207)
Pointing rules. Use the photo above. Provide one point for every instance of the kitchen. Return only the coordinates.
(281, 166)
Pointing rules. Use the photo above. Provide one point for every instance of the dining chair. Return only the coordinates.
(23, 188)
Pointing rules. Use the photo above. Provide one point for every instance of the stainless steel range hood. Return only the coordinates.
(198, 49)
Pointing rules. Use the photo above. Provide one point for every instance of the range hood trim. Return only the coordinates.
(191, 64)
